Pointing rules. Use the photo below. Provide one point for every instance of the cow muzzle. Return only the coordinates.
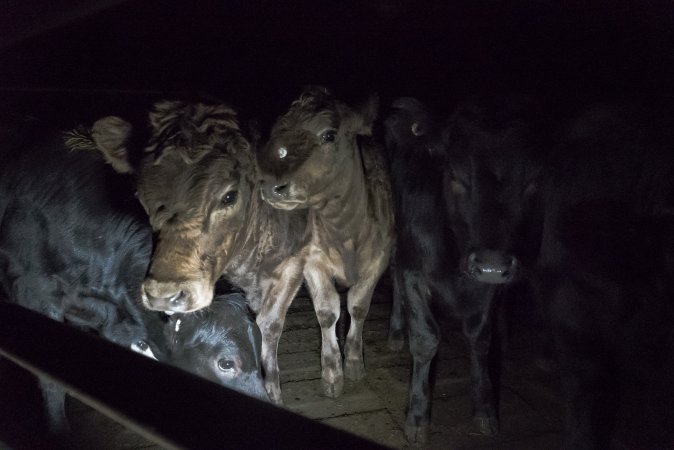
(492, 267)
(281, 195)
(175, 297)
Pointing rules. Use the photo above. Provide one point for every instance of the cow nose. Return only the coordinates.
(492, 267)
(280, 190)
(165, 301)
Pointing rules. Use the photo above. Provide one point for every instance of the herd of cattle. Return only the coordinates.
(460, 208)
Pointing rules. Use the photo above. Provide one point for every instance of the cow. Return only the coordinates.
(197, 180)
(320, 159)
(75, 246)
(463, 193)
(221, 343)
(605, 275)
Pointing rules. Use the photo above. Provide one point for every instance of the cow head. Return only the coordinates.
(312, 149)
(195, 180)
(489, 181)
(221, 343)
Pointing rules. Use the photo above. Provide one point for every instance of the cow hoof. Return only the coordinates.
(395, 342)
(278, 401)
(416, 434)
(333, 390)
(354, 371)
(487, 426)
(274, 395)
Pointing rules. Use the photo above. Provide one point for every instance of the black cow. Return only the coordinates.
(75, 246)
(462, 196)
(221, 343)
(606, 276)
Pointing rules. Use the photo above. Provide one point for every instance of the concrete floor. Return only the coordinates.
(530, 408)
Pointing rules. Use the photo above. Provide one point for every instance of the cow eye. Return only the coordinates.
(229, 198)
(328, 136)
(226, 365)
(417, 129)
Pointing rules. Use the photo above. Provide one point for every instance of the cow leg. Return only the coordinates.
(587, 381)
(396, 339)
(326, 305)
(477, 330)
(424, 339)
(358, 303)
(271, 319)
(54, 398)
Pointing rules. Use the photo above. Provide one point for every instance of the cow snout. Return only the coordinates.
(492, 267)
(280, 191)
(160, 296)
(274, 190)
(174, 301)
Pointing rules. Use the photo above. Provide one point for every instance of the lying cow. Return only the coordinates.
(75, 246)
(319, 158)
(198, 182)
(462, 195)
(606, 275)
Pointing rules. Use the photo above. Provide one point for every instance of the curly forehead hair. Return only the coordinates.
(194, 129)
(314, 101)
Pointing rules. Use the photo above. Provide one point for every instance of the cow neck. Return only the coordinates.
(342, 215)
(257, 234)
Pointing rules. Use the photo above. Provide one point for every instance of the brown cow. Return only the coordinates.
(318, 157)
(197, 181)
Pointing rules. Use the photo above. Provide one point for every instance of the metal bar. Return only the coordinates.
(168, 406)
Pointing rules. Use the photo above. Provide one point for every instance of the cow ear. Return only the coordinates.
(111, 136)
(365, 116)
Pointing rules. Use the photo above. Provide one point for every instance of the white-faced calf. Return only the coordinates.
(320, 159)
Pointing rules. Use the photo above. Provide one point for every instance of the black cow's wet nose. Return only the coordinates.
(280, 190)
(492, 267)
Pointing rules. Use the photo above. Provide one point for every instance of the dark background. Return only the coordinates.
(76, 59)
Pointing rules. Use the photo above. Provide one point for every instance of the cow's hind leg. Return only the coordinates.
(396, 338)
(327, 307)
(424, 339)
(477, 329)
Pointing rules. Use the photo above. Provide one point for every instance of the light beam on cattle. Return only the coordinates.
(75, 246)
(199, 185)
(320, 158)
(463, 205)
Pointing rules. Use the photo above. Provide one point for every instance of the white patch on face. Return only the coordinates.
(178, 322)
(147, 351)
(282, 152)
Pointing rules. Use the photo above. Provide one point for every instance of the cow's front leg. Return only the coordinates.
(477, 330)
(54, 397)
(424, 338)
(358, 303)
(326, 305)
(271, 319)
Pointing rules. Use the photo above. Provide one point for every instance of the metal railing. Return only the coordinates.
(173, 408)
